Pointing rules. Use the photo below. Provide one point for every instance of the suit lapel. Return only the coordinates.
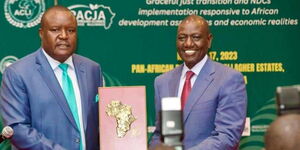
(174, 82)
(203, 80)
(82, 81)
(49, 78)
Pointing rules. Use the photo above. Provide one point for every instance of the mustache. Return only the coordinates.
(62, 43)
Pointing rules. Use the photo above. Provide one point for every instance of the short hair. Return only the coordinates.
(195, 18)
(55, 8)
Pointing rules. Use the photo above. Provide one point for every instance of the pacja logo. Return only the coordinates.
(24, 13)
(7, 61)
(93, 15)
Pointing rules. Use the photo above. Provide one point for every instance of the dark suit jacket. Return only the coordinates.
(215, 111)
(33, 104)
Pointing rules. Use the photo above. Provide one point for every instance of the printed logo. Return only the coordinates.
(93, 15)
(24, 13)
(7, 61)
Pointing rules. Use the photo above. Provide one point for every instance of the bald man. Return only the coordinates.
(48, 97)
(284, 133)
(213, 96)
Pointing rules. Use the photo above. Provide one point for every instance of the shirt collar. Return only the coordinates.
(196, 69)
(54, 63)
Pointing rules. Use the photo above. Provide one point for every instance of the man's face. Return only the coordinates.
(59, 35)
(193, 41)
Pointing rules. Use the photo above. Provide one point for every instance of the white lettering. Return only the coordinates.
(23, 12)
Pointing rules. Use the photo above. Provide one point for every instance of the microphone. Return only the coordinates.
(171, 122)
(7, 132)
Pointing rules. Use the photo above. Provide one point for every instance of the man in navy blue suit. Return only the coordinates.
(48, 97)
(213, 96)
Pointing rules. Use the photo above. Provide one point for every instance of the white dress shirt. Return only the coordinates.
(72, 74)
(196, 70)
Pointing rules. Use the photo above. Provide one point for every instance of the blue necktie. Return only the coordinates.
(69, 94)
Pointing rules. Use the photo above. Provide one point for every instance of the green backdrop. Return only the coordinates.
(134, 41)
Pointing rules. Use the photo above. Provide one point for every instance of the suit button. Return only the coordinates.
(77, 140)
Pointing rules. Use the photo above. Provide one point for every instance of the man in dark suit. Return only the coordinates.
(213, 96)
(48, 97)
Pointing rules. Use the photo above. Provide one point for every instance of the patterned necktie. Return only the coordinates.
(186, 88)
(69, 94)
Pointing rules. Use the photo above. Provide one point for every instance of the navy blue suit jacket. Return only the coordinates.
(215, 111)
(33, 104)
